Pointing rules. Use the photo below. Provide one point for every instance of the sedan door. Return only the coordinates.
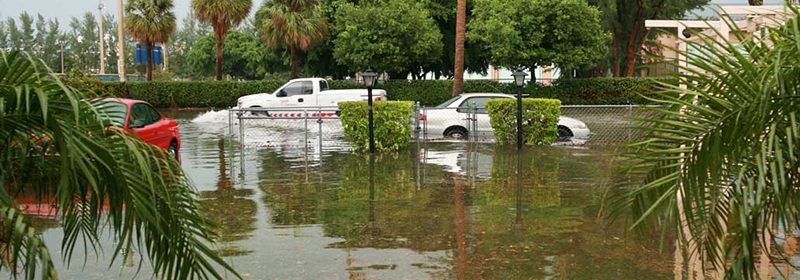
(149, 125)
(479, 103)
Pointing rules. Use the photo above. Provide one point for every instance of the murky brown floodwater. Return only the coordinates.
(450, 211)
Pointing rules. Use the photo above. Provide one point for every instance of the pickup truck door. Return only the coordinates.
(297, 94)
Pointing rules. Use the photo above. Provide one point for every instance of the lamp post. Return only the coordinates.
(519, 80)
(369, 80)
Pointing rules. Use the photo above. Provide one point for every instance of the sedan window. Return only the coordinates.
(113, 111)
(448, 102)
(143, 115)
(480, 104)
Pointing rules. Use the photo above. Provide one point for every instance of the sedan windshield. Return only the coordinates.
(448, 102)
(112, 111)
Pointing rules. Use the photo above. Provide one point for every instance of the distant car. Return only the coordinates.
(140, 118)
(449, 119)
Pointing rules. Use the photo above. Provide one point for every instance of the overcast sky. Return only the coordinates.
(66, 9)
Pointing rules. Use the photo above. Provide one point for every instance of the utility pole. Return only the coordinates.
(102, 38)
(61, 42)
(120, 42)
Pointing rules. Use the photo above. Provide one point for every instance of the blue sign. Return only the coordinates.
(141, 54)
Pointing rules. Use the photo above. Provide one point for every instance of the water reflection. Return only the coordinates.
(440, 211)
(229, 208)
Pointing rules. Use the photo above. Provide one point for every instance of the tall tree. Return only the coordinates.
(294, 24)
(531, 33)
(82, 43)
(222, 15)
(246, 57)
(461, 27)
(14, 34)
(625, 20)
(190, 31)
(3, 36)
(150, 22)
(395, 36)
(27, 32)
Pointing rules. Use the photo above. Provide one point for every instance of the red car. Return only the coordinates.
(141, 119)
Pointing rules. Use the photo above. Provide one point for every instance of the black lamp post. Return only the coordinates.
(369, 80)
(519, 80)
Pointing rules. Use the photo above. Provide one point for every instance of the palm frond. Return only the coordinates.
(720, 163)
(55, 146)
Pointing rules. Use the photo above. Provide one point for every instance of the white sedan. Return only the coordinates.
(449, 119)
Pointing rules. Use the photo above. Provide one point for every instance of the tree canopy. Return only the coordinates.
(395, 36)
(246, 57)
(532, 33)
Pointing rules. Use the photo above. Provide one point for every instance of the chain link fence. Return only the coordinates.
(319, 128)
(596, 125)
(310, 128)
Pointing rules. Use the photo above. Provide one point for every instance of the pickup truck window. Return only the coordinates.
(323, 85)
(298, 88)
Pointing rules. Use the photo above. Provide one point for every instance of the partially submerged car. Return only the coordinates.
(449, 119)
(141, 119)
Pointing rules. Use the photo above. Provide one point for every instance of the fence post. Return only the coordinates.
(425, 125)
(416, 121)
(630, 121)
(319, 122)
(305, 129)
(241, 130)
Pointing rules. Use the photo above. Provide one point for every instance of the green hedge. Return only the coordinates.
(391, 123)
(218, 94)
(539, 120)
(221, 94)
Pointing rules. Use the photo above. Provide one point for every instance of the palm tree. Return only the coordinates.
(222, 15)
(294, 24)
(103, 182)
(721, 163)
(461, 18)
(150, 22)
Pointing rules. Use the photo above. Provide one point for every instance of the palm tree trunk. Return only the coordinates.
(219, 58)
(293, 52)
(150, 46)
(461, 16)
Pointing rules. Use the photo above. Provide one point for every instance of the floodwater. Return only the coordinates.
(435, 211)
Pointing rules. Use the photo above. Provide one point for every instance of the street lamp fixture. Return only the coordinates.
(519, 80)
(370, 77)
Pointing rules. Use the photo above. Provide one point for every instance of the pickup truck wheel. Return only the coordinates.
(456, 132)
(259, 113)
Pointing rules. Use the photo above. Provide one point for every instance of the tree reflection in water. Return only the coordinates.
(539, 224)
(230, 209)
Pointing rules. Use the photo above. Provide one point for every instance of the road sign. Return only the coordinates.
(141, 54)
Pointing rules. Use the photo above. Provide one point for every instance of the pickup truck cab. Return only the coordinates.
(307, 92)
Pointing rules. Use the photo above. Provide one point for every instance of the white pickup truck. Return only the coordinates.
(307, 92)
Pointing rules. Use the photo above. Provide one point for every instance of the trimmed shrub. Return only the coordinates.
(391, 122)
(605, 91)
(222, 94)
(219, 94)
(539, 120)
